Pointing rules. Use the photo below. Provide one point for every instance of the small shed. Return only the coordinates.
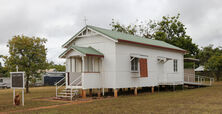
(50, 78)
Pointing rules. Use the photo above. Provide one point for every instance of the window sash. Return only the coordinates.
(134, 64)
(175, 65)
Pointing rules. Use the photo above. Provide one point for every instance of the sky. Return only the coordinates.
(59, 20)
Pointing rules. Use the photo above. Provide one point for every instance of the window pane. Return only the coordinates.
(175, 65)
(134, 64)
(90, 64)
(96, 64)
(70, 64)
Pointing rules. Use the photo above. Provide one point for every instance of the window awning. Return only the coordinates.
(138, 56)
(86, 51)
(161, 59)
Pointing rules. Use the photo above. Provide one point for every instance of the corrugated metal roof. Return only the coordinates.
(133, 38)
(119, 36)
(88, 51)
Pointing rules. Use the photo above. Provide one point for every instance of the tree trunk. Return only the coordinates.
(218, 76)
(27, 84)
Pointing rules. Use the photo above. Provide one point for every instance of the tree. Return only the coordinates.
(173, 31)
(214, 64)
(142, 28)
(3, 70)
(169, 29)
(29, 53)
(207, 52)
(130, 29)
(58, 67)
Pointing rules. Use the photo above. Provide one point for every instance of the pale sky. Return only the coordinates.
(59, 20)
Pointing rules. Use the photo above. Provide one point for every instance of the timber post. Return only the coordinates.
(83, 94)
(115, 93)
(135, 91)
(152, 89)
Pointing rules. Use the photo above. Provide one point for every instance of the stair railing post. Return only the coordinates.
(201, 80)
(204, 79)
(71, 94)
(188, 78)
(56, 91)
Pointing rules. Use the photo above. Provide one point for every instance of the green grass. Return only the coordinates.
(30, 99)
(200, 100)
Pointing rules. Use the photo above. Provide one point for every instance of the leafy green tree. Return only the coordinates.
(141, 28)
(29, 53)
(58, 67)
(173, 31)
(130, 29)
(3, 70)
(207, 52)
(214, 64)
(169, 29)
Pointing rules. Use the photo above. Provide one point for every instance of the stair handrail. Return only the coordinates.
(76, 80)
(59, 81)
(57, 87)
(79, 82)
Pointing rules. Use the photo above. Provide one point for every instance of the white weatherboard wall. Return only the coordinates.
(157, 72)
(91, 80)
(107, 47)
(115, 71)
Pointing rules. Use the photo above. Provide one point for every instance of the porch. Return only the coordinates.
(83, 67)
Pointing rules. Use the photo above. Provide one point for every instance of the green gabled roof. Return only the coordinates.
(133, 38)
(119, 36)
(88, 51)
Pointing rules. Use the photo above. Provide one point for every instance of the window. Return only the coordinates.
(1, 80)
(96, 64)
(70, 64)
(175, 69)
(134, 64)
(90, 63)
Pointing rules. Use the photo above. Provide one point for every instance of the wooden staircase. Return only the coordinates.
(68, 94)
(68, 90)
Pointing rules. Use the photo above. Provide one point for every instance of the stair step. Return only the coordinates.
(69, 90)
(66, 93)
(62, 96)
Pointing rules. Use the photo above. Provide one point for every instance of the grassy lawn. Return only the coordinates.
(30, 99)
(200, 100)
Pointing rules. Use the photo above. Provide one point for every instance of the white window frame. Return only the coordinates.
(175, 65)
(131, 60)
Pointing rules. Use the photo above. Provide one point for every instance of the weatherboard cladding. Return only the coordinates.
(123, 37)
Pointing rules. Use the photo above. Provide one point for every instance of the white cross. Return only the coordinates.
(85, 20)
(16, 68)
